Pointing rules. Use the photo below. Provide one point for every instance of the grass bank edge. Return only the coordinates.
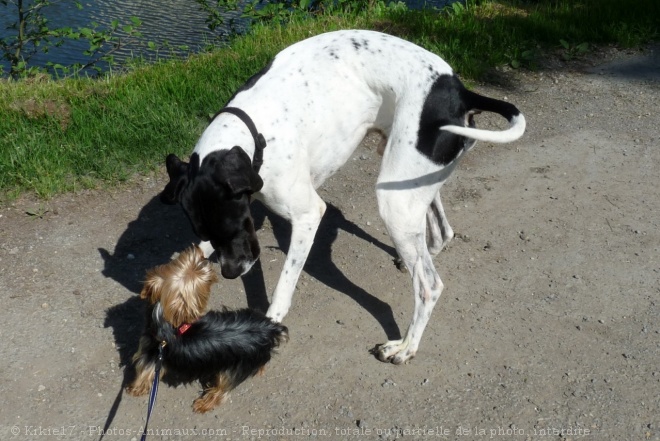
(60, 136)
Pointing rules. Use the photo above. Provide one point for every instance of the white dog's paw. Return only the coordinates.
(277, 312)
(207, 248)
(395, 352)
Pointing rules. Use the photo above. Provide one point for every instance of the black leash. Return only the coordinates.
(154, 389)
(259, 140)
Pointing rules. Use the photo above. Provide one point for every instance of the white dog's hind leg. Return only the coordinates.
(439, 232)
(407, 231)
(427, 288)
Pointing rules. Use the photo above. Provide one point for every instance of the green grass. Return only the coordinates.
(483, 34)
(58, 136)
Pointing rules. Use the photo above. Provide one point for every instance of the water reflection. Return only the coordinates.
(179, 22)
(175, 22)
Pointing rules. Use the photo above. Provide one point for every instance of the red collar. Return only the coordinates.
(183, 328)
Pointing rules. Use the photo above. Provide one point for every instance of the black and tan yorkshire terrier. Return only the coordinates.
(219, 348)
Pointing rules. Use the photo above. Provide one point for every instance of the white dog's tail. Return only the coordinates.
(474, 101)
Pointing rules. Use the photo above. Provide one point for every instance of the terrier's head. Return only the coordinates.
(182, 287)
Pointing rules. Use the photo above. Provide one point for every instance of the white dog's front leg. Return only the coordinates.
(302, 237)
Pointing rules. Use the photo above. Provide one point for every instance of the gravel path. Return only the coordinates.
(548, 328)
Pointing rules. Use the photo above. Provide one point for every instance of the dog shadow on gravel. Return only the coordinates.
(151, 239)
(161, 230)
(319, 263)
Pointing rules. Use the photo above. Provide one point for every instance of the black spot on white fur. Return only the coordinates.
(444, 105)
(447, 103)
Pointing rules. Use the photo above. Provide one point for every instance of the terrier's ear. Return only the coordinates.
(152, 289)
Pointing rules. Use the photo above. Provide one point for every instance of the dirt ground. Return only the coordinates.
(548, 327)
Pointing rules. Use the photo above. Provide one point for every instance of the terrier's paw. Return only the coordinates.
(208, 401)
(137, 390)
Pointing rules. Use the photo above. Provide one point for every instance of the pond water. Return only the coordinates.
(175, 22)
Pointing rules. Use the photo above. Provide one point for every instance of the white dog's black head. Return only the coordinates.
(215, 195)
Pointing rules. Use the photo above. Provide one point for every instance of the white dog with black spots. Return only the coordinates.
(313, 105)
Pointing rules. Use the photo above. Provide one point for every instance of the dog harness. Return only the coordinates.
(259, 140)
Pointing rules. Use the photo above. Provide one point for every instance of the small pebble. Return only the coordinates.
(388, 382)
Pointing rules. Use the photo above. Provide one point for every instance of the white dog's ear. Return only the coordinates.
(243, 178)
(239, 185)
(177, 170)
